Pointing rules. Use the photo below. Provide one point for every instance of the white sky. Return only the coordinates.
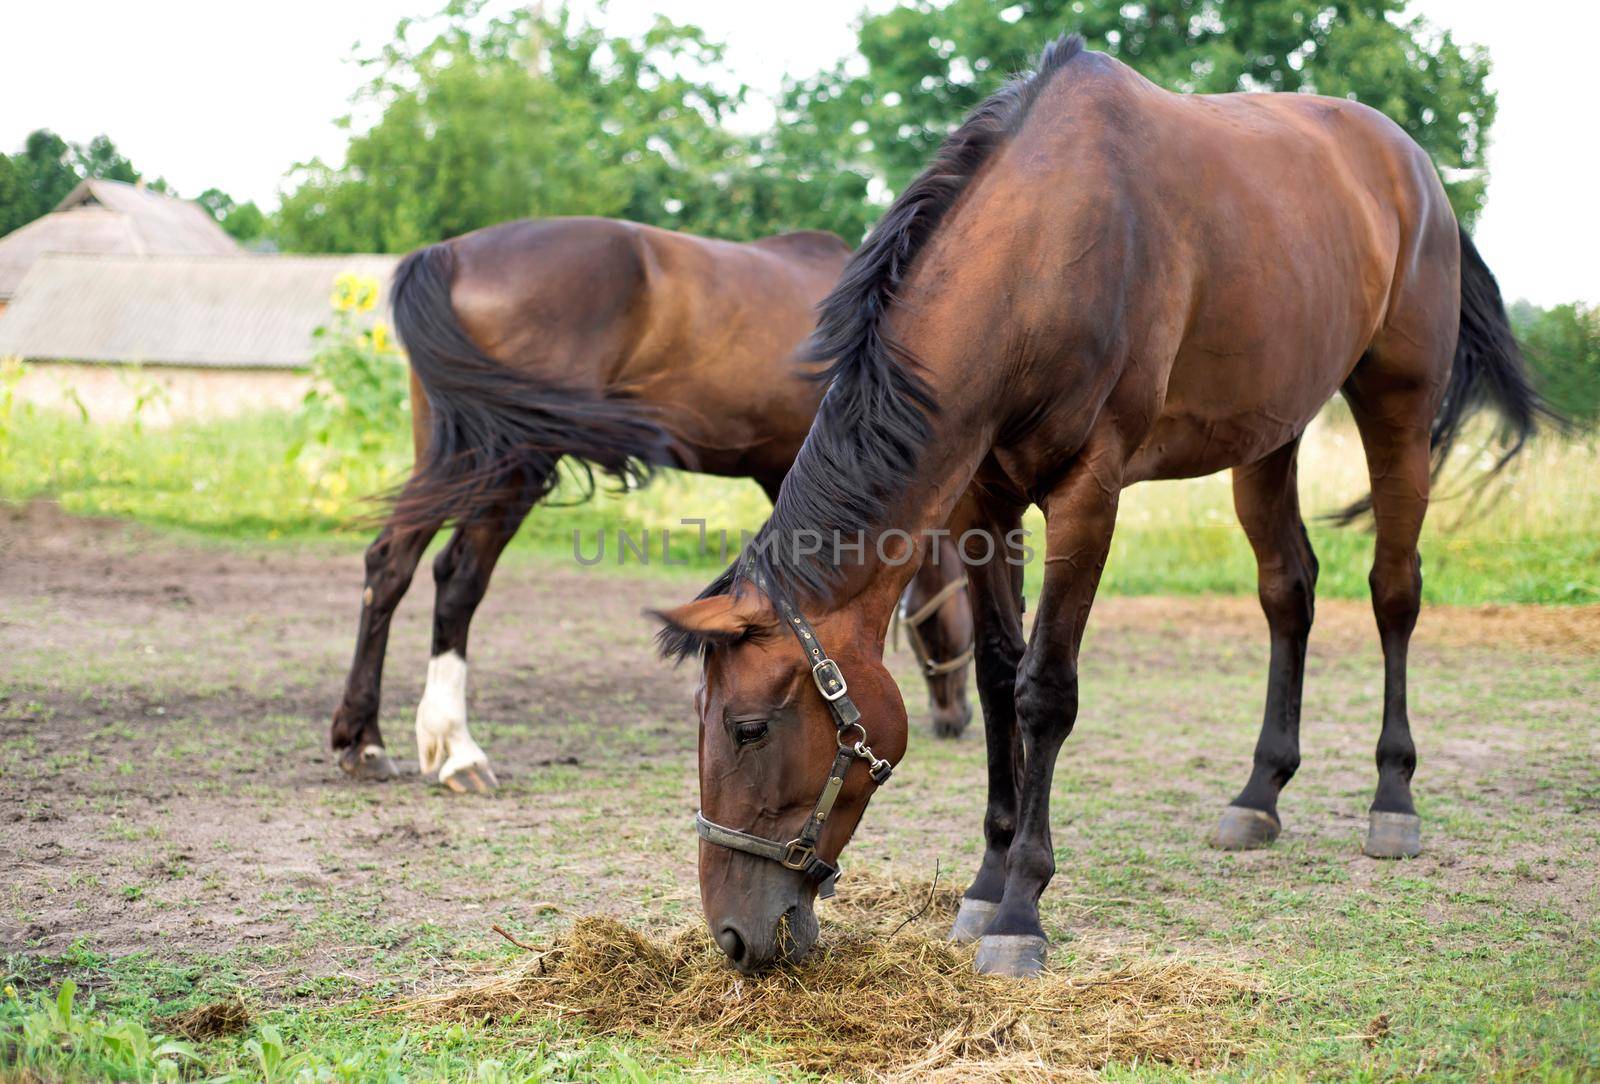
(232, 94)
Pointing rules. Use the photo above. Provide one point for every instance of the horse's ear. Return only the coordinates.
(720, 619)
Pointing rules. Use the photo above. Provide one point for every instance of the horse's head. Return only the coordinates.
(947, 690)
(775, 752)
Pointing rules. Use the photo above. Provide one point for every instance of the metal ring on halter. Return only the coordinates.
(847, 728)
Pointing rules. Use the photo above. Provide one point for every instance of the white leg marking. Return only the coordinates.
(443, 743)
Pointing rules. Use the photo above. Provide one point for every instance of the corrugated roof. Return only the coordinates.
(227, 311)
(110, 217)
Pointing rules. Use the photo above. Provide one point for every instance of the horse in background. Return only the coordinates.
(615, 344)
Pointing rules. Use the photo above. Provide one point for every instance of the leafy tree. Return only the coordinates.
(40, 176)
(15, 199)
(526, 115)
(100, 158)
(813, 169)
(37, 178)
(928, 64)
(242, 221)
(1563, 346)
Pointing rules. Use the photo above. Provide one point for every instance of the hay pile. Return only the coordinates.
(227, 1017)
(863, 1005)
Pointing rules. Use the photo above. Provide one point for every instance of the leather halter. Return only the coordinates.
(800, 853)
(912, 622)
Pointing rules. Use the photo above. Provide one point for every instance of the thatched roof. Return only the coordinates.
(112, 218)
(248, 311)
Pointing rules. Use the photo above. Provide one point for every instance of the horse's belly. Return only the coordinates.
(1189, 445)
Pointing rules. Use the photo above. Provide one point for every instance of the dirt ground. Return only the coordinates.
(165, 786)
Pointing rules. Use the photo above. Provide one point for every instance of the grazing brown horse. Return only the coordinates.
(1096, 282)
(618, 344)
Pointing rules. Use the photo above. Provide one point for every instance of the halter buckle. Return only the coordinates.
(830, 679)
(798, 855)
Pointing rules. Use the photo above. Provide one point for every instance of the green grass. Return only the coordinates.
(1482, 957)
(56, 1036)
(1536, 540)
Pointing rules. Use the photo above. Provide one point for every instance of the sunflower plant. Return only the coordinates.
(359, 394)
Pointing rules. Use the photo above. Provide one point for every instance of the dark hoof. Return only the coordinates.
(472, 779)
(971, 920)
(370, 764)
(1393, 835)
(1016, 956)
(1242, 829)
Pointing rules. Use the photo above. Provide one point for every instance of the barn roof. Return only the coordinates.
(249, 311)
(110, 217)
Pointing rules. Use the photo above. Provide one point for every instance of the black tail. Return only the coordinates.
(497, 433)
(1489, 370)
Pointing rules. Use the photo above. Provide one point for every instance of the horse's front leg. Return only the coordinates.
(997, 618)
(1080, 514)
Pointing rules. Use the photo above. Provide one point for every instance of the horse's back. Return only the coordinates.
(727, 321)
(703, 328)
(586, 299)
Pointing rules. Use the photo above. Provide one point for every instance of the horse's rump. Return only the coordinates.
(495, 432)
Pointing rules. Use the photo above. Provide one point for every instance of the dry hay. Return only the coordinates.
(864, 1004)
(225, 1017)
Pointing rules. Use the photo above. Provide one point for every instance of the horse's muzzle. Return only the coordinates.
(763, 936)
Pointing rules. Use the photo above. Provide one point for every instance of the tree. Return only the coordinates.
(927, 65)
(15, 199)
(1563, 346)
(36, 179)
(242, 221)
(41, 176)
(526, 115)
(100, 158)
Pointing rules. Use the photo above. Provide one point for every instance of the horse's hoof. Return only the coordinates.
(972, 919)
(370, 764)
(1017, 956)
(476, 778)
(1393, 835)
(1244, 829)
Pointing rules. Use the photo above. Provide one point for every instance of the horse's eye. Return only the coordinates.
(748, 733)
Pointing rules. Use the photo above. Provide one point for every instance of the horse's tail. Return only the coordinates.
(495, 433)
(1489, 370)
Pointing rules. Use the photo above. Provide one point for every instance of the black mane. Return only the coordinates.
(863, 448)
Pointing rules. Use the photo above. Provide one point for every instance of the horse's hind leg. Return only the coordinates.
(461, 572)
(1394, 423)
(1268, 505)
(390, 560)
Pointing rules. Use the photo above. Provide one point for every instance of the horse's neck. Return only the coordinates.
(869, 589)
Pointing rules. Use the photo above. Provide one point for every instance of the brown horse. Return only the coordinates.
(1097, 282)
(618, 344)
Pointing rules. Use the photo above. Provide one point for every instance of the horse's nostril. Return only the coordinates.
(731, 944)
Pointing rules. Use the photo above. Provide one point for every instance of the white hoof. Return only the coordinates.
(444, 744)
